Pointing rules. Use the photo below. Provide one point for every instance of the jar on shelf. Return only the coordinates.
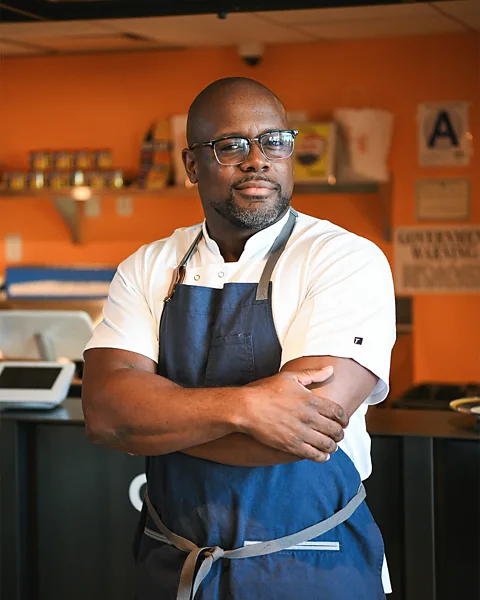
(84, 160)
(116, 179)
(78, 178)
(63, 160)
(59, 180)
(40, 160)
(36, 180)
(103, 159)
(96, 179)
(15, 180)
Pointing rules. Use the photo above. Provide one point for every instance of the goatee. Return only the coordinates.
(257, 217)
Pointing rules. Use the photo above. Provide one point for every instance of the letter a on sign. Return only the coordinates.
(443, 134)
(443, 129)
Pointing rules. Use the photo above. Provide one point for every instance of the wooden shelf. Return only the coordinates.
(70, 209)
(104, 192)
(337, 188)
(300, 188)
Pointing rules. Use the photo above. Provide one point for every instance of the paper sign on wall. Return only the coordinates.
(442, 199)
(437, 260)
(444, 137)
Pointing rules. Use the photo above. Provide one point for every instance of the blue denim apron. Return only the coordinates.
(214, 532)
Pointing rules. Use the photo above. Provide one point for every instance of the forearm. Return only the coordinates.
(240, 450)
(143, 413)
(127, 406)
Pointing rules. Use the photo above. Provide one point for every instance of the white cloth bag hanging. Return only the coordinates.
(365, 140)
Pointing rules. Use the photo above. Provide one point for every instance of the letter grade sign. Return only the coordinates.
(444, 138)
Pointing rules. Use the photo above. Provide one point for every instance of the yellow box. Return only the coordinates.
(315, 152)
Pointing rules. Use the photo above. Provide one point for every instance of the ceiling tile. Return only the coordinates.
(357, 13)
(209, 30)
(383, 28)
(9, 49)
(95, 43)
(51, 29)
(467, 11)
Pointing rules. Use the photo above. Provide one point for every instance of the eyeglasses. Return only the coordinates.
(231, 151)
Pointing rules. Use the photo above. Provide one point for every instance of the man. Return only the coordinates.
(233, 355)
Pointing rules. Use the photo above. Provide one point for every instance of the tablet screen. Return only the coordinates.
(28, 378)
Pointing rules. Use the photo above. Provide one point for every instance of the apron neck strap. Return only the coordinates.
(191, 251)
(274, 254)
(178, 274)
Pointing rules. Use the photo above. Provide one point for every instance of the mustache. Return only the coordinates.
(256, 178)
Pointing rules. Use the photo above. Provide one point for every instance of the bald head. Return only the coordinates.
(227, 91)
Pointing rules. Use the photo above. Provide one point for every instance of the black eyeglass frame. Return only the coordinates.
(212, 143)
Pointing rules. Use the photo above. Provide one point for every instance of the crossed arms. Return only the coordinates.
(299, 413)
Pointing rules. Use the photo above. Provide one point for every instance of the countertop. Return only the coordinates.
(380, 421)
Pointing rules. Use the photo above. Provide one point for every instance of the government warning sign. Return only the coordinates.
(437, 260)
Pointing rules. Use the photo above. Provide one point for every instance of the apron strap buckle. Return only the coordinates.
(215, 552)
(177, 277)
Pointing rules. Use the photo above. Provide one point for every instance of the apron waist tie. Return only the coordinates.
(189, 583)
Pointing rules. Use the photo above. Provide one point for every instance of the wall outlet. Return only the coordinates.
(124, 206)
(92, 207)
(13, 247)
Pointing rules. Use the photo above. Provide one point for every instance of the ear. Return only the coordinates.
(190, 165)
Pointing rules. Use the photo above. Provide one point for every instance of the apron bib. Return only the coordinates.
(216, 532)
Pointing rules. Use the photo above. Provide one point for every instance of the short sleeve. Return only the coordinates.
(128, 322)
(349, 309)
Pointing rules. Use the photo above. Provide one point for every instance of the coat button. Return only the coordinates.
(221, 274)
(197, 277)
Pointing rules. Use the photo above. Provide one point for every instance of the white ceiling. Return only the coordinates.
(293, 26)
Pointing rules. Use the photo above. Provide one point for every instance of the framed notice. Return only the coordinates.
(431, 259)
(442, 200)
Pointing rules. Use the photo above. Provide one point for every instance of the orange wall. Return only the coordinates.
(109, 100)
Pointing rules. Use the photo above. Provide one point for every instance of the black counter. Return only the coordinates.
(68, 514)
(380, 421)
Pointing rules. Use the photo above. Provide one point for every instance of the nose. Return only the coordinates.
(256, 161)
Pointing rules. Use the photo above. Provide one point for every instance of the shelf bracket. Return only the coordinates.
(70, 211)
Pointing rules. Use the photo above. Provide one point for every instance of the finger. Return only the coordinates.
(320, 441)
(308, 452)
(330, 409)
(326, 426)
(308, 376)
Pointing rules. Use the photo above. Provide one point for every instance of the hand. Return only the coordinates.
(282, 413)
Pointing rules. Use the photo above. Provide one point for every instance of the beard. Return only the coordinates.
(255, 218)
